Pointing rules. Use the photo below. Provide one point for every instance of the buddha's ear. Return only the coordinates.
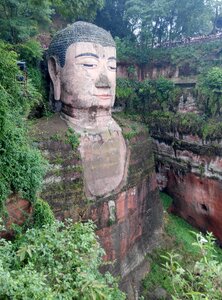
(54, 72)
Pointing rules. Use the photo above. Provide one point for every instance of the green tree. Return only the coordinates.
(158, 21)
(210, 91)
(112, 18)
(56, 261)
(21, 19)
(216, 7)
(73, 10)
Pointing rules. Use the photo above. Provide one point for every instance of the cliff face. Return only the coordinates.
(190, 170)
(128, 220)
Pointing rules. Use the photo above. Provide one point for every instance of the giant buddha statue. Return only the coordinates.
(115, 185)
(82, 67)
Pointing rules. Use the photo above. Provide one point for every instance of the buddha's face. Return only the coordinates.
(88, 78)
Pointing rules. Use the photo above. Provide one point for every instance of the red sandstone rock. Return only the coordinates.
(198, 200)
(18, 211)
(194, 182)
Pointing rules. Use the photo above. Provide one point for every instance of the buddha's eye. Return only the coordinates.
(87, 62)
(89, 66)
(111, 65)
(112, 68)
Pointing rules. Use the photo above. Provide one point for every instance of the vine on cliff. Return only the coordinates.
(21, 166)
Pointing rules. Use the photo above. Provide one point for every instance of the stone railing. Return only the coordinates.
(190, 40)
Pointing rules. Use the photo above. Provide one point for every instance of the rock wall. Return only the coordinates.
(129, 221)
(147, 71)
(190, 170)
(18, 212)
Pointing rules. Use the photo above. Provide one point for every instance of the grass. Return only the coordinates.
(178, 237)
(177, 229)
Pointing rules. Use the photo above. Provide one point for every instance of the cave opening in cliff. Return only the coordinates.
(204, 207)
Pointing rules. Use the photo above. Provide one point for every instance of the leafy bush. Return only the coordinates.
(203, 280)
(30, 51)
(178, 265)
(17, 97)
(212, 130)
(126, 96)
(210, 91)
(146, 96)
(58, 261)
(42, 214)
(72, 138)
(165, 93)
(21, 167)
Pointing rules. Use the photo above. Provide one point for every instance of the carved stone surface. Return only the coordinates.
(188, 102)
(82, 66)
(103, 173)
(129, 219)
(75, 33)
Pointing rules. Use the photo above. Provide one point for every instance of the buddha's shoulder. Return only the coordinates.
(47, 127)
(131, 127)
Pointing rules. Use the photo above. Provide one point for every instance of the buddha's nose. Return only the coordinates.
(102, 82)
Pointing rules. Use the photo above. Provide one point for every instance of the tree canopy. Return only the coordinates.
(155, 22)
(22, 19)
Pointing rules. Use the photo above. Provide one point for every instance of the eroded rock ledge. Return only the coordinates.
(190, 170)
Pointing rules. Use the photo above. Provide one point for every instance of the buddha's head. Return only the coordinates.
(82, 67)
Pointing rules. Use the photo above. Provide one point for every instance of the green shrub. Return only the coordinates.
(187, 264)
(30, 51)
(210, 91)
(42, 213)
(146, 96)
(58, 261)
(72, 138)
(21, 167)
(126, 96)
(212, 130)
(201, 281)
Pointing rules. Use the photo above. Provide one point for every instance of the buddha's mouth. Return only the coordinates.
(104, 96)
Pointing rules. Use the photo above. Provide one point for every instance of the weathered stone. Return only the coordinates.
(198, 200)
(192, 176)
(129, 220)
(18, 210)
(187, 102)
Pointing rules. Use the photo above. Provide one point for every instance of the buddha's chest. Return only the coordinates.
(104, 161)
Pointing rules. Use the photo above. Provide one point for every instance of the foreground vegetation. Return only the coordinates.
(188, 265)
(55, 261)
